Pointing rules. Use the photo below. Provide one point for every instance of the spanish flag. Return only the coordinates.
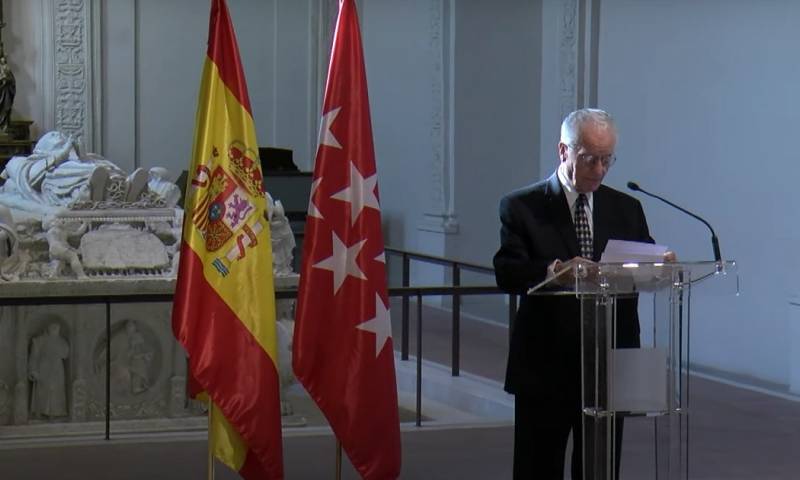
(224, 311)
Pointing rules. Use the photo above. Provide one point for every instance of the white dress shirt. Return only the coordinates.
(572, 197)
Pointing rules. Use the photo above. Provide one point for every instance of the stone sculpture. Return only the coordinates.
(12, 259)
(56, 175)
(8, 90)
(93, 218)
(159, 184)
(283, 241)
(46, 373)
(130, 361)
(61, 253)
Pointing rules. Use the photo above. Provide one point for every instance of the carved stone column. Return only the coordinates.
(72, 57)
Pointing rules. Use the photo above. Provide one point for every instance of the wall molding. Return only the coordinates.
(440, 216)
(579, 38)
(568, 57)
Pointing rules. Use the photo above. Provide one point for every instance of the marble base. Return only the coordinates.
(53, 357)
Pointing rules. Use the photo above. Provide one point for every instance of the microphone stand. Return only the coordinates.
(714, 240)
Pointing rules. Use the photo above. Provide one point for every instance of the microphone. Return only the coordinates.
(714, 240)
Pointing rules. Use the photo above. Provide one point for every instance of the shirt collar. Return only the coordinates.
(570, 192)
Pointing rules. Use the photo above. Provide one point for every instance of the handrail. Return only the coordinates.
(456, 290)
(440, 260)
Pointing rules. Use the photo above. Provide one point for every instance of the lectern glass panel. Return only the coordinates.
(636, 381)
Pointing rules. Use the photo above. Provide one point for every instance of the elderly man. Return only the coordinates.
(547, 226)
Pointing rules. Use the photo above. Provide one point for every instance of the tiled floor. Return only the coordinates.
(735, 434)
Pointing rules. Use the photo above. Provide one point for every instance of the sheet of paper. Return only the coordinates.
(623, 251)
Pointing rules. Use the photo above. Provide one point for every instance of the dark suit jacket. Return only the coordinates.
(537, 228)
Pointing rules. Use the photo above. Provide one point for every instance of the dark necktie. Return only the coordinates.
(582, 227)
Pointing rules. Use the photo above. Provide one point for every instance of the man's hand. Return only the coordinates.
(567, 278)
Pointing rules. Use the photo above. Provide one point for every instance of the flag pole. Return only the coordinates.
(210, 468)
(338, 459)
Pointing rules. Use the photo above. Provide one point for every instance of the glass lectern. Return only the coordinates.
(649, 381)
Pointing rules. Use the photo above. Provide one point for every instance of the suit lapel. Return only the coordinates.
(601, 219)
(561, 216)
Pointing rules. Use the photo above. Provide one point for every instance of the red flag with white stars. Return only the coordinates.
(342, 349)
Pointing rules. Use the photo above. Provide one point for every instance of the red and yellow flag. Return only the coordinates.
(224, 311)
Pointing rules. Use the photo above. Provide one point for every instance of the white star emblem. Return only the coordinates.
(343, 262)
(381, 325)
(381, 258)
(360, 193)
(325, 135)
(313, 211)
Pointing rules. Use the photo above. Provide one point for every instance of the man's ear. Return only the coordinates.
(562, 151)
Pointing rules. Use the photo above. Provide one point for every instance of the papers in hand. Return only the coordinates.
(623, 251)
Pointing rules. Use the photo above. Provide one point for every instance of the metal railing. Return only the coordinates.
(456, 291)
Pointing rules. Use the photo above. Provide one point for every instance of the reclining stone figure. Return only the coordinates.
(57, 175)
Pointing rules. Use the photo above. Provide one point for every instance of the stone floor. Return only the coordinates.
(736, 433)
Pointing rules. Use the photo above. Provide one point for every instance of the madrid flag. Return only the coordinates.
(224, 310)
(342, 349)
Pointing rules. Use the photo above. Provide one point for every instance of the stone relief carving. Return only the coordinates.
(127, 410)
(120, 247)
(47, 374)
(133, 360)
(79, 399)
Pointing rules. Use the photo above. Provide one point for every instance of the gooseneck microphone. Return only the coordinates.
(714, 240)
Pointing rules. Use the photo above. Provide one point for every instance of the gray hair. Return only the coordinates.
(573, 124)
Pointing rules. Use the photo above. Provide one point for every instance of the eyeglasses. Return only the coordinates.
(591, 160)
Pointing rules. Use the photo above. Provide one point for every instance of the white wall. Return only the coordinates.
(497, 88)
(705, 94)
(399, 64)
(553, 84)
(454, 91)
